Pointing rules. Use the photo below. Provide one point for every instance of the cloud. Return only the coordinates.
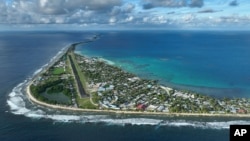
(234, 3)
(112, 20)
(65, 6)
(51, 7)
(122, 14)
(128, 7)
(131, 13)
(3, 12)
(208, 11)
(59, 11)
(149, 4)
(59, 7)
(124, 9)
(196, 3)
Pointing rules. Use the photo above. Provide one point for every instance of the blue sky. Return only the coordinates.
(105, 14)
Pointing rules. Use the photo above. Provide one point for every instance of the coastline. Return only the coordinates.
(60, 107)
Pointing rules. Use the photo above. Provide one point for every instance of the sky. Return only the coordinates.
(125, 14)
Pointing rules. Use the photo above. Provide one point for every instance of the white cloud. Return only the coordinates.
(126, 12)
(128, 7)
(129, 19)
(112, 20)
(59, 20)
(56, 11)
(55, 7)
(45, 20)
(148, 4)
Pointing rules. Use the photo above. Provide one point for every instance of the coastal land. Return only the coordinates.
(79, 83)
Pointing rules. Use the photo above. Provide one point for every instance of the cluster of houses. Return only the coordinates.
(120, 90)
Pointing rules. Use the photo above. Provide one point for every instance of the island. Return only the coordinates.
(79, 83)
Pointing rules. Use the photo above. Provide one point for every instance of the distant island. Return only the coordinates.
(80, 83)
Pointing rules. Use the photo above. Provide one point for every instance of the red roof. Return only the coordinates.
(242, 111)
(141, 107)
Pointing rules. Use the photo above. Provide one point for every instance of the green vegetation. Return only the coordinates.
(110, 87)
(85, 103)
(57, 82)
(41, 97)
(68, 69)
(55, 86)
(83, 79)
(42, 88)
(58, 71)
(95, 98)
(55, 89)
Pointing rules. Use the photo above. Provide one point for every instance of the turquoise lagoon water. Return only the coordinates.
(168, 56)
(213, 63)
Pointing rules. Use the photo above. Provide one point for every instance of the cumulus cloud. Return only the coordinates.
(65, 6)
(148, 4)
(122, 12)
(51, 7)
(112, 20)
(196, 3)
(208, 11)
(128, 7)
(58, 11)
(3, 9)
(57, 7)
(234, 3)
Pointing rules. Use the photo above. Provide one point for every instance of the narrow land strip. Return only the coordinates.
(78, 81)
(81, 89)
(33, 99)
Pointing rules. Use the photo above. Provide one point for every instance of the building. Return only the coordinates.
(141, 107)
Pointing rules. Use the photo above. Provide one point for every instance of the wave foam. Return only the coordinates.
(20, 105)
(38, 71)
(107, 61)
(18, 102)
(52, 60)
(131, 121)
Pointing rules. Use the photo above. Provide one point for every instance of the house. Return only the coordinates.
(242, 111)
(141, 107)
(151, 107)
(101, 89)
(160, 108)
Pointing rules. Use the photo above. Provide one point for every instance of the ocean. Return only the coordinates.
(213, 63)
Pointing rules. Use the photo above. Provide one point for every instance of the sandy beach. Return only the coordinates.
(60, 107)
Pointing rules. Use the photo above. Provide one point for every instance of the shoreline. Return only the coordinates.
(60, 107)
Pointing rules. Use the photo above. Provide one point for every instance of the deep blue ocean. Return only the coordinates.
(214, 63)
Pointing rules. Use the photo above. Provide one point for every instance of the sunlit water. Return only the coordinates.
(21, 119)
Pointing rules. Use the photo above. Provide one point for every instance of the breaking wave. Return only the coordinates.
(107, 61)
(52, 60)
(20, 105)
